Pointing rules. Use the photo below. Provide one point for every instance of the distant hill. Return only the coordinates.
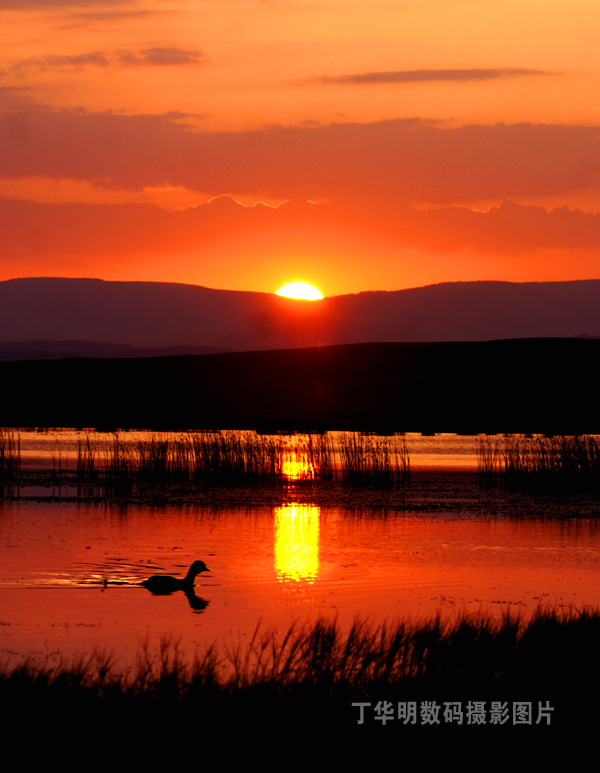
(158, 315)
(54, 350)
(530, 385)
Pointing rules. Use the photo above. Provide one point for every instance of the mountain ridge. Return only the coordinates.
(157, 315)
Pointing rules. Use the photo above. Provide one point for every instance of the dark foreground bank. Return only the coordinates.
(524, 385)
(469, 680)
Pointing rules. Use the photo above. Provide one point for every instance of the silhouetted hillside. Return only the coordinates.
(54, 350)
(540, 385)
(149, 315)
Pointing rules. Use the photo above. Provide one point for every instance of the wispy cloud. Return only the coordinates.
(23, 4)
(12, 95)
(428, 76)
(156, 56)
(98, 18)
(160, 55)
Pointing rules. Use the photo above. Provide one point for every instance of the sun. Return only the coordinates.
(300, 290)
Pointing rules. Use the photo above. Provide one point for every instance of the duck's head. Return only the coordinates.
(199, 566)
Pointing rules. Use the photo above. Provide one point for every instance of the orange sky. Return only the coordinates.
(242, 144)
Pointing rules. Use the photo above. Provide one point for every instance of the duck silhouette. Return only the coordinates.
(164, 583)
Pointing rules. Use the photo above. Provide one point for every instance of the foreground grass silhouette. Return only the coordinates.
(313, 676)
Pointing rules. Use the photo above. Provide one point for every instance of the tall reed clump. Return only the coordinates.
(317, 456)
(118, 462)
(373, 460)
(490, 461)
(569, 463)
(186, 457)
(10, 452)
(247, 455)
(87, 458)
(237, 455)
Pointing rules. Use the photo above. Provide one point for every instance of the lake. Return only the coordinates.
(70, 570)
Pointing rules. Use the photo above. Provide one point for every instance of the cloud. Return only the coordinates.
(356, 248)
(506, 229)
(13, 96)
(407, 162)
(117, 15)
(160, 56)
(49, 231)
(59, 62)
(156, 56)
(23, 4)
(428, 76)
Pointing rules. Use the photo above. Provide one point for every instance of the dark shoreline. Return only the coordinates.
(319, 675)
(507, 386)
(444, 496)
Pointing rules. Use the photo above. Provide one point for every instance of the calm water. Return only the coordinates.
(69, 571)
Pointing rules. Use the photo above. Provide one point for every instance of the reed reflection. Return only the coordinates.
(297, 542)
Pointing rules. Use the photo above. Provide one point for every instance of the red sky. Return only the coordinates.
(243, 144)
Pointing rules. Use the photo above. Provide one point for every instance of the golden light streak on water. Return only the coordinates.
(297, 542)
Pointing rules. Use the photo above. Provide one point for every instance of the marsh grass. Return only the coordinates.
(373, 460)
(315, 456)
(560, 463)
(551, 656)
(124, 461)
(10, 452)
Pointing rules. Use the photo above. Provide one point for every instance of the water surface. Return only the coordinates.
(69, 571)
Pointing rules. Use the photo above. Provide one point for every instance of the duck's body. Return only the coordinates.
(164, 583)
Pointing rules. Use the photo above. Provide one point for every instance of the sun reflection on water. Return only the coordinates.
(296, 466)
(297, 542)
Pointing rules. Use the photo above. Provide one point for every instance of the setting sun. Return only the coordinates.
(300, 290)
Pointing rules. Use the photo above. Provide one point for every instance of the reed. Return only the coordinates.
(237, 455)
(373, 460)
(560, 463)
(188, 457)
(87, 457)
(128, 460)
(489, 461)
(10, 452)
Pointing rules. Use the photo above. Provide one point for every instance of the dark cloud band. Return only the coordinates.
(156, 56)
(20, 5)
(429, 76)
